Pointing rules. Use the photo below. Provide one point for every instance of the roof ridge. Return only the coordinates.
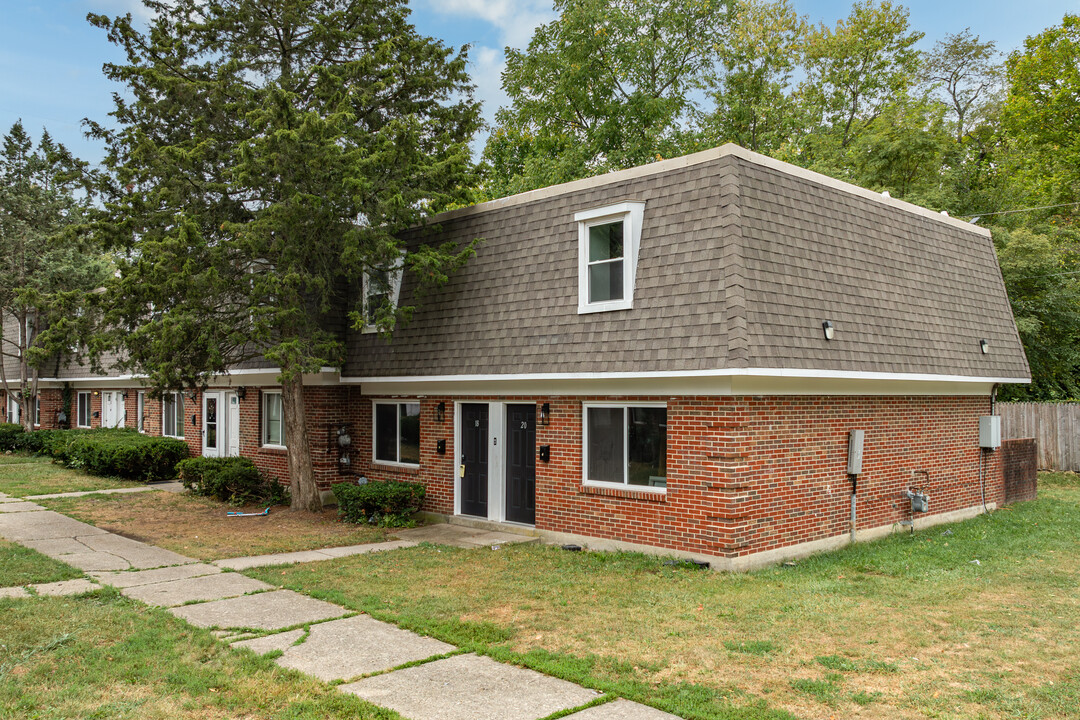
(733, 267)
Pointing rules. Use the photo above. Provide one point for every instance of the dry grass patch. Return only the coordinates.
(907, 627)
(199, 527)
(22, 475)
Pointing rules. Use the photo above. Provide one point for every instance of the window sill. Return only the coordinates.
(622, 493)
(173, 437)
(275, 449)
(605, 307)
(415, 467)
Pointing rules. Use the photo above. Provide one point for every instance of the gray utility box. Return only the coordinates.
(855, 451)
(990, 432)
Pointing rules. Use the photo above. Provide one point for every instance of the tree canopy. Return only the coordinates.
(46, 269)
(266, 154)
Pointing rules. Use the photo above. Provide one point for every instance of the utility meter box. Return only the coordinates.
(990, 432)
(855, 451)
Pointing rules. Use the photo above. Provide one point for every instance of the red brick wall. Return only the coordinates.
(745, 474)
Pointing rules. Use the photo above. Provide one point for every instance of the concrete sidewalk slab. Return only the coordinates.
(265, 611)
(244, 563)
(195, 589)
(16, 507)
(461, 536)
(131, 578)
(66, 587)
(342, 649)
(13, 592)
(54, 547)
(82, 493)
(44, 525)
(173, 486)
(470, 687)
(622, 710)
(270, 643)
(139, 555)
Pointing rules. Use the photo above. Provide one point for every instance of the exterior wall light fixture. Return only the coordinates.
(984, 345)
(440, 412)
(241, 392)
(829, 329)
(545, 413)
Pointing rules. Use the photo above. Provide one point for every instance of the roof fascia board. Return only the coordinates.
(660, 374)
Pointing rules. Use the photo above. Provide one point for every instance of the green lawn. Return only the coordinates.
(22, 475)
(906, 627)
(23, 566)
(103, 656)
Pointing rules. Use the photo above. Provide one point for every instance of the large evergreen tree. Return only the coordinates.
(267, 152)
(46, 271)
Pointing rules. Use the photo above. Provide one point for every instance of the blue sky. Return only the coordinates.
(50, 58)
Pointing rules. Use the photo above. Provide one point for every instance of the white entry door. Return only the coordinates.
(212, 431)
(112, 409)
(221, 424)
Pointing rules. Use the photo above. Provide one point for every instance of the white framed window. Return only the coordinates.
(82, 409)
(37, 411)
(382, 288)
(172, 415)
(396, 432)
(273, 420)
(140, 411)
(608, 239)
(625, 445)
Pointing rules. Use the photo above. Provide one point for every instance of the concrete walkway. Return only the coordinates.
(319, 638)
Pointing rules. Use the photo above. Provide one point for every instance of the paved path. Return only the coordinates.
(319, 638)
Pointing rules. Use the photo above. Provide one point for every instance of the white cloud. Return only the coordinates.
(486, 66)
(515, 19)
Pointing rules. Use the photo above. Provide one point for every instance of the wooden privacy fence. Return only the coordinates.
(1055, 427)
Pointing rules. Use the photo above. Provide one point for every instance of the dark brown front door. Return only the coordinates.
(474, 459)
(521, 463)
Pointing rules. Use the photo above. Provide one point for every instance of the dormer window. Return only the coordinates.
(608, 239)
(382, 288)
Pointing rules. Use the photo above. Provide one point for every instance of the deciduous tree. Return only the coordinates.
(608, 85)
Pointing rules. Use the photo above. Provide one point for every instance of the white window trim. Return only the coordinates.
(37, 411)
(140, 411)
(396, 273)
(631, 213)
(625, 485)
(178, 402)
(262, 424)
(89, 409)
(397, 432)
(12, 408)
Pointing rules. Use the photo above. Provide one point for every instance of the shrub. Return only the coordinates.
(119, 453)
(232, 479)
(11, 435)
(388, 503)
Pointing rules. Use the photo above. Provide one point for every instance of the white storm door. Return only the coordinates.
(212, 435)
(232, 429)
(110, 409)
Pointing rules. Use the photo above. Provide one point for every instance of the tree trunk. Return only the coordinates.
(305, 494)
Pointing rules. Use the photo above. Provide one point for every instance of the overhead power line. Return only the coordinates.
(975, 216)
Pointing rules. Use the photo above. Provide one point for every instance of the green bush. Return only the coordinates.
(232, 479)
(390, 503)
(11, 435)
(123, 453)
